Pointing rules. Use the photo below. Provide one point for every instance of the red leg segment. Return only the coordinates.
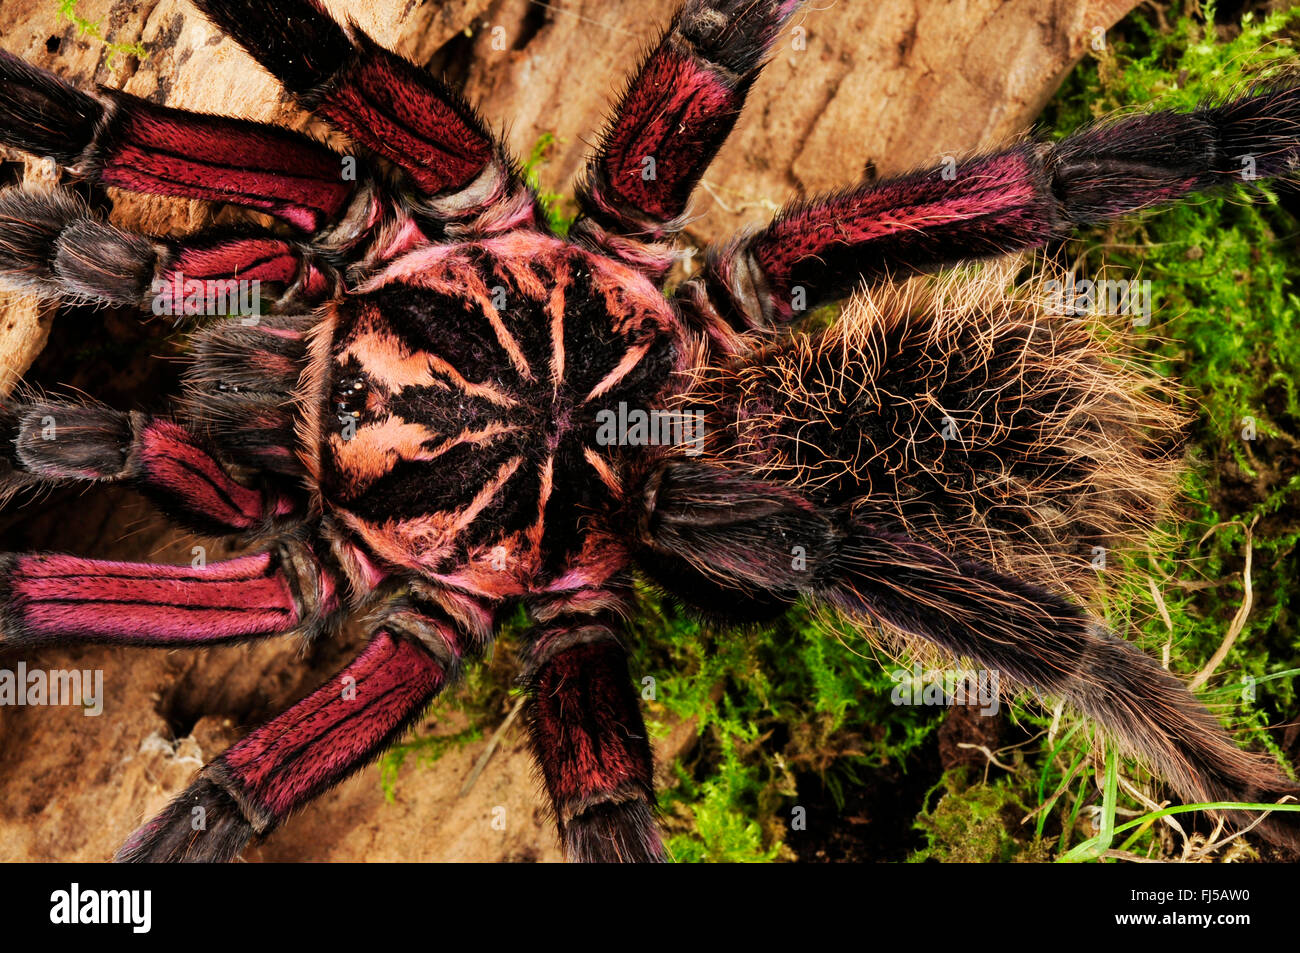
(458, 169)
(331, 732)
(128, 142)
(208, 265)
(164, 151)
(590, 741)
(186, 481)
(816, 251)
(55, 598)
(670, 123)
(317, 743)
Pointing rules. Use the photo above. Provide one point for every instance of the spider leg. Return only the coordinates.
(57, 598)
(50, 598)
(1025, 197)
(679, 108)
(739, 532)
(51, 243)
(124, 141)
(44, 442)
(330, 734)
(590, 741)
(458, 173)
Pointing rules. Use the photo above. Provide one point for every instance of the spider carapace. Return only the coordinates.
(415, 436)
(460, 414)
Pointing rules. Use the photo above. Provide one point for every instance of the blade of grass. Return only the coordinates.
(1078, 803)
(1046, 808)
(1094, 847)
(1089, 845)
(1234, 689)
(1051, 759)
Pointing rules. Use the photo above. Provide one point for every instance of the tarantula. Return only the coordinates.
(415, 434)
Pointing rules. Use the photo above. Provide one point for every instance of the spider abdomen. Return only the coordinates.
(963, 415)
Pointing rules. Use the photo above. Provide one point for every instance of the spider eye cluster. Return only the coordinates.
(349, 398)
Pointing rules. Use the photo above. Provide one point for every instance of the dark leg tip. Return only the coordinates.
(71, 441)
(43, 115)
(202, 825)
(30, 225)
(614, 833)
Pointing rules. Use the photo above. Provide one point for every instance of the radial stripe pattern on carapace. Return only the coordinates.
(465, 385)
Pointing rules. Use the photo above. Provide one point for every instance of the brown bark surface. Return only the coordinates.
(888, 85)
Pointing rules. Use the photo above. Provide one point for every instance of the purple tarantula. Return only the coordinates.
(415, 434)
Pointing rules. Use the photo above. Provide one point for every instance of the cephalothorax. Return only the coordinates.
(415, 434)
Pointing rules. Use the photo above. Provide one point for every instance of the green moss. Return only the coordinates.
(974, 824)
(559, 211)
(68, 11)
(426, 749)
(792, 700)
(719, 832)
